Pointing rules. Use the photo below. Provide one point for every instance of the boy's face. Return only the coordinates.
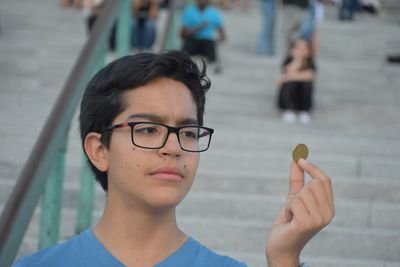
(152, 178)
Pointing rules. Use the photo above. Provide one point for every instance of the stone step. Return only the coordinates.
(264, 161)
(277, 140)
(327, 93)
(264, 208)
(324, 122)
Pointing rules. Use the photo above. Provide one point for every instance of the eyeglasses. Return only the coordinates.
(154, 135)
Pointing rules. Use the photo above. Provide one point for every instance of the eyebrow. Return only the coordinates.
(160, 119)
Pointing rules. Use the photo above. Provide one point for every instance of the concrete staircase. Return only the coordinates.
(242, 180)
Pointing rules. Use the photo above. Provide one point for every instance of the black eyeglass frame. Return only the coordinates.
(170, 129)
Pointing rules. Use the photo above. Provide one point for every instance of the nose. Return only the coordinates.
(171, 146)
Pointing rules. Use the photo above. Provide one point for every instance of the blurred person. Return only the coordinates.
(164, 4)
(241, 4)
(143, 26)
(266, 40)
(296, 83)
(73, 3)
(224, 4)
(202, 29)
(309, 27)
(91, 11)
(347, 9)
(393, 58)
(294, 12)
(371, 6)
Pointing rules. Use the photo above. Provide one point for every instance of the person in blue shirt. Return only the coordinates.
(142, 130)
(202, 29)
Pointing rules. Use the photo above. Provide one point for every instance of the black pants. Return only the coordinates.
(296, 96)
(200, 47)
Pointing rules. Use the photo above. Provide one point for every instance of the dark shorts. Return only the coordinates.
(295, 96)
(200, 47)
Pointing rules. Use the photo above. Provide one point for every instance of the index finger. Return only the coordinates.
(316, 173)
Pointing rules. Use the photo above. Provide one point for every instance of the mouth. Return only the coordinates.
(168, 174)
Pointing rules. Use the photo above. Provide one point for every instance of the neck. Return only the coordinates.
(137, 237)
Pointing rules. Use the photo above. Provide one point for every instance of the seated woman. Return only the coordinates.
(144, 16)
(296, 83)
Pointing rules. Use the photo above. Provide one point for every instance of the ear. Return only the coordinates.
(96, 151)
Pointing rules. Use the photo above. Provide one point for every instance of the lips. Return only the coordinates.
(168, 174)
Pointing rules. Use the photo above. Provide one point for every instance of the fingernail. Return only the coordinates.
(303, 161)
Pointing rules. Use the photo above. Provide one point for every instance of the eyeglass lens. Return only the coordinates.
(191, 138)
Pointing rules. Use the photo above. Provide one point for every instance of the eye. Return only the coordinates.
(141, 129)
(190, 133)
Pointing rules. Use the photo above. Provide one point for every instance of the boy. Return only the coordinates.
(142, 128)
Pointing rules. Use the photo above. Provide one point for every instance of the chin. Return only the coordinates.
(166, 198)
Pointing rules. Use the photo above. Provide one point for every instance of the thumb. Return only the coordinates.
(296, 179)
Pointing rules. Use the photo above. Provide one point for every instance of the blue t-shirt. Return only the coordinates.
(86, 251)
(192, 17)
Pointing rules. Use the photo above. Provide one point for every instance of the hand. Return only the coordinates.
(309, 208)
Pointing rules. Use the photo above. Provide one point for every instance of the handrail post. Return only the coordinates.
(123, 28)
(172, 35)
(51, 200)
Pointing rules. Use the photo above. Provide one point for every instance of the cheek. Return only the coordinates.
(124, 166)
(191, 164)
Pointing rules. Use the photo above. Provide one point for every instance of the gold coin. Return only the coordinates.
(300, 152)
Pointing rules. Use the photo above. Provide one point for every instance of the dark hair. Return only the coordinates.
(103, 97)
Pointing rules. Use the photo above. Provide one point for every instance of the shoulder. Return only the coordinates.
(194, 254)
(68, 253)
(53, 255)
